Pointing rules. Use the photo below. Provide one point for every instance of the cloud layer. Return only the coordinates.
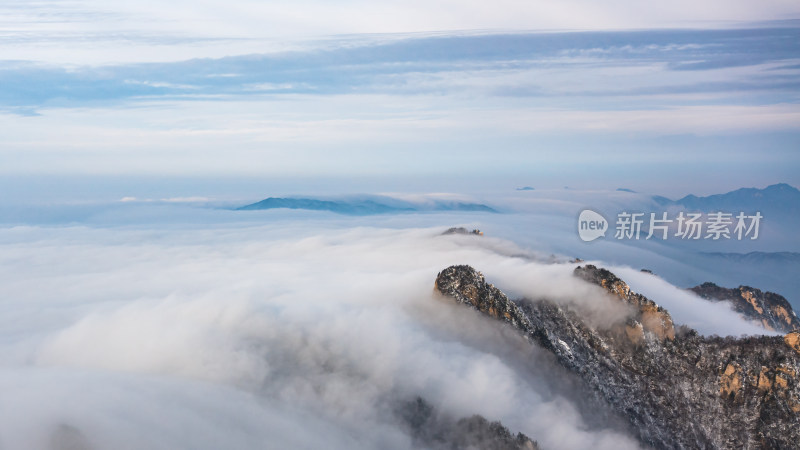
(288, 334)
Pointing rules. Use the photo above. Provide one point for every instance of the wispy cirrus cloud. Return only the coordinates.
(109, 88)
(551, 65)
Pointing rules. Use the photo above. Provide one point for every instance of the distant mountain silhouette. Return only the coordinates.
(758, 257)
(779, 198)
(365, 206)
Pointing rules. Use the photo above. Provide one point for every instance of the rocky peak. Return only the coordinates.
(686, 391)
(434, 430)
(462, 230)
(771, 310)
(648, 316)
(468, 287)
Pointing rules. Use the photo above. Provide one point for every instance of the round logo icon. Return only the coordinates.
(591, 225)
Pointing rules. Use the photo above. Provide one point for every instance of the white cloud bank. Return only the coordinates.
(687, 308)
(282, 336)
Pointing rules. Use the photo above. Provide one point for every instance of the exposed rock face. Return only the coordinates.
(771, 310)
(434, 431)
(676, 389)
(462, 230)
(648, 314)
(793, 340)
(469, 287)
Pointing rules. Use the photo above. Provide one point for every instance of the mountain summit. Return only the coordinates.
(772, 310)
(674, 388)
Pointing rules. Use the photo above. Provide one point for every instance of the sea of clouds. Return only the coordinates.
(299, 330)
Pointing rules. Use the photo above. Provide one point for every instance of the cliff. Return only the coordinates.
(771, 310)
(674, 388)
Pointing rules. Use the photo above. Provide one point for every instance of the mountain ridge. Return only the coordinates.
(771, 310)
(676, 389)
(777, 198)
(364, 206)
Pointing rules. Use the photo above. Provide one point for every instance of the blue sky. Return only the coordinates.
(682, 98)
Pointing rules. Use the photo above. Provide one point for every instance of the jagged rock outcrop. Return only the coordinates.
(675, 388)
(462, 230)
(793, 340)
(771, 310)
(469, 287)
(648, 315)
(436, 431)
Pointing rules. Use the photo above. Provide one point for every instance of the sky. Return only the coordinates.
(526, 93)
